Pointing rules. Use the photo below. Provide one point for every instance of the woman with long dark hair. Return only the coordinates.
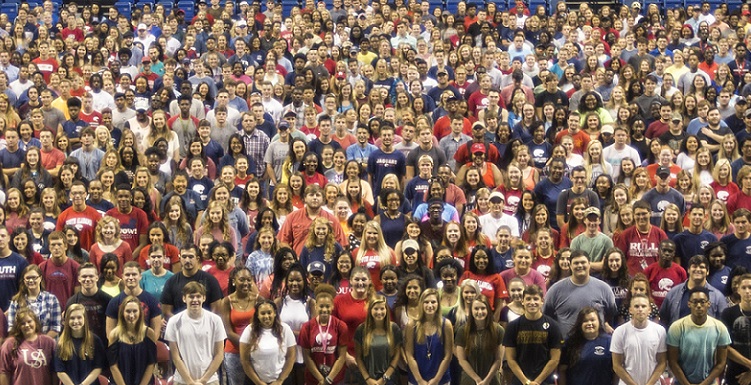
(267, 346)
(586, 357)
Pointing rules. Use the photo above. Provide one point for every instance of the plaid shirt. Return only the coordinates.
(46, 307)
(255, 148)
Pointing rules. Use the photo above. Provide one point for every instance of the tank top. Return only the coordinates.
(239, 319)
(429, 356)
(294, 313)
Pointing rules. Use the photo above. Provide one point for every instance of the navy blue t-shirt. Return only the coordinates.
(540, 153)
(202, 187)
(149, 303)
(12, 159)
(10, 274)
(547, 193)
(659, 201)
(688, 244)
(381, 164)
(739, 251)
(415, 190)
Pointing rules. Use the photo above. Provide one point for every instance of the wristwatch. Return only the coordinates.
(528, 382)
(386, 377)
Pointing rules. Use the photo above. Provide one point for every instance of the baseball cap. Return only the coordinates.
(636, 5)
(591, 211)
(747, 113)
(607, 129)
(128, 34)
(317, 267)
(142, 106)
(241, 23)
(290, 114)
(481, 125)
(478, 148)
(677, 117)
(146, 59)
(441, 71)
(741, 100)
(663, 172)
(142, 27)
(497, 195)
(410, 244)
(283, 125)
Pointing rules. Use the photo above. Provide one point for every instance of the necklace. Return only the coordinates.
(427, 342)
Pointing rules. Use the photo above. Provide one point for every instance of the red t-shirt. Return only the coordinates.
(171, 257)
(657, 129)
(222, 276)
(353, 313)
(372, 261)
(312, 336)
(132, 225)
(60, 280)
(462, 153)
(317, 178)
(491, 286)
(94, 119)
(543, 265)
(739, 200)
(724, 192)
(52, 159)
(46, 67)
(581, 140)
(641, 249)
(662, 280)
(84, 221)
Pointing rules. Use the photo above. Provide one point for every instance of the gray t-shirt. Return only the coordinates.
(565, 299)
(275, 155)
(379, 358)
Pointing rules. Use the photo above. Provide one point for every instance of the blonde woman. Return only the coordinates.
(378, 334)
(217, 224)
(723, 185)
(429, 343)
(108, 241)
(728, 148)
(595, 163)
(373, 253)
(159, 129)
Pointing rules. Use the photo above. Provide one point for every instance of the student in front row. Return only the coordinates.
(532, 361)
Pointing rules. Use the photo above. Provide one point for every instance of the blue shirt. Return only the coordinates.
(658, 201)
(361, 155)
(688, 244)
(381, 164)
(739, 251)
(547, 193)
(12, 159)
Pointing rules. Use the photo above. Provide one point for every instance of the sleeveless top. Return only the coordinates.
(294, 313)
(429, 356)
(393, 229)
(239, 319)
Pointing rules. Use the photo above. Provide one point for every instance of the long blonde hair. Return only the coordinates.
(370, 325)
(329, 248)
(383, 250)
(65, 347)
(423, 318)
(120, 330)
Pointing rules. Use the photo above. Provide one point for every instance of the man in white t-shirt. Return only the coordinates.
(639, 347)
(619, 150)
(493, 220)
(196, 339)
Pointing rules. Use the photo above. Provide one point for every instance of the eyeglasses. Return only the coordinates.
(32, 278)
(699, 302)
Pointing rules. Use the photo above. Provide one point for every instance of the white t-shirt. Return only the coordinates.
(490, 225)
(639, 348)
(195, 339)
(269, 358)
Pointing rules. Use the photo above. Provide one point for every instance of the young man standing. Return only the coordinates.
(11, 266)
(739, 243)
(693, 240)
(89, 155)
(385, 161)
(639, 347)
(59, 271)
(80, 216)
(736, 320)
(663, 275)
(196, 339)
(697, 343)
(93, 300)
(533, 342)
(593, 241)
(677, 303)
(640, 241)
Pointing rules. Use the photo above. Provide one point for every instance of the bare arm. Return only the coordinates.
(143, 240)
(225, 311)
(409, 353)
(167, 311)
(448, 353)
(720, 358)
(555, 357)
(156, 327)
(675, 367)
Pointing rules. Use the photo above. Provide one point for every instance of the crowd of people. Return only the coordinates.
(375, 193)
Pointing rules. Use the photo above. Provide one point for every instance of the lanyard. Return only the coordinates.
(324, 337)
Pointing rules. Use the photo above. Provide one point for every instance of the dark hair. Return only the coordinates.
(576, 339)
(279, 273)
(473, 266)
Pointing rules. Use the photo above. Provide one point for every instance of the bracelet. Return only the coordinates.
(328, 380)
(367, 378)
(386, 377)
